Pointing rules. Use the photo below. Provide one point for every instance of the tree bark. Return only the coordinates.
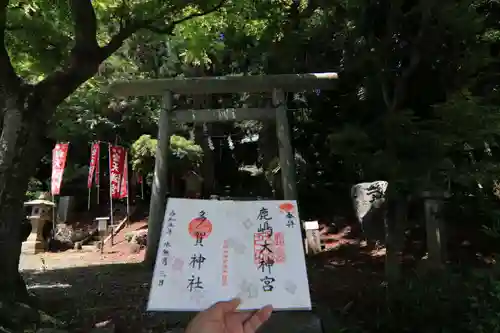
(19, 151)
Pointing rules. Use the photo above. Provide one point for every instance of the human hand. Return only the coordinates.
(222, 317)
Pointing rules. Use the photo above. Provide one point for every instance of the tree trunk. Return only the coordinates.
(19, 151)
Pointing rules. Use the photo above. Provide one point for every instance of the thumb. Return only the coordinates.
(228, 306)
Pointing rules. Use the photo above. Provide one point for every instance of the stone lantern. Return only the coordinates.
(41, 213)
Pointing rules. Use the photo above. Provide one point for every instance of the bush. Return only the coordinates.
(34, 189)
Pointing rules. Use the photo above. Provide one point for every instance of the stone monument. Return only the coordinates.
(368, 200)
(41, 213)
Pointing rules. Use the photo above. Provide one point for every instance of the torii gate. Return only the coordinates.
(277, 84)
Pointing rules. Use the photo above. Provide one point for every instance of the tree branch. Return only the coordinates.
(169, 28)
(129, 28)
(84, 25)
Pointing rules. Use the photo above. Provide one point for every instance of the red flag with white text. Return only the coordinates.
(124, 181)
(116, 163)
(97, 164)
(59, 154)
(93, 165)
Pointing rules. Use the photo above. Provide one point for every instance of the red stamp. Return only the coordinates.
(200, 228)
(178, 264)
(269, 248)
(279, 239)
(261, 247)
(225, 259)
(287, 207)
(279, 248)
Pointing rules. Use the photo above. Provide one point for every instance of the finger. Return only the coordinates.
(237, 319)
(228, 306)
(257, 319)
(244, 316)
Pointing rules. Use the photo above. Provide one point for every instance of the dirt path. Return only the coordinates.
(119, 253)
(72, 259)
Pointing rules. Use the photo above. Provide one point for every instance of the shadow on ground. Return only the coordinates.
(84, 296)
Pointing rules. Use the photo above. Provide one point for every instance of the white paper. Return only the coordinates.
(227, 262)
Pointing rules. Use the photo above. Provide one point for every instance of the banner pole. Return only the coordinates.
(88, 203)
(128, 192)
(90, 187)
(110, 197)
(97, 173)
(53, 210)
(142, 188)
(52, 194)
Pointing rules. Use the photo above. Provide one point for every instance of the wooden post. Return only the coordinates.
(160, 181)
(313, 240)
(287, 161)
(102, 227)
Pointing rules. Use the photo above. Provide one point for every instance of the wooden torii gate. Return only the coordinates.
(277, 84)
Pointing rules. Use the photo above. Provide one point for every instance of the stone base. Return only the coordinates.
(33, 247)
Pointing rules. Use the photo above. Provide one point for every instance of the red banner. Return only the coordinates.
(94, 161)
(97, 163)
(124, 182)
(116, 162)
(59, 154)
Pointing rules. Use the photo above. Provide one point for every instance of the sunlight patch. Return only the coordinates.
(49, 286)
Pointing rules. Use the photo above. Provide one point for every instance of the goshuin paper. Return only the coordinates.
(215, 250)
